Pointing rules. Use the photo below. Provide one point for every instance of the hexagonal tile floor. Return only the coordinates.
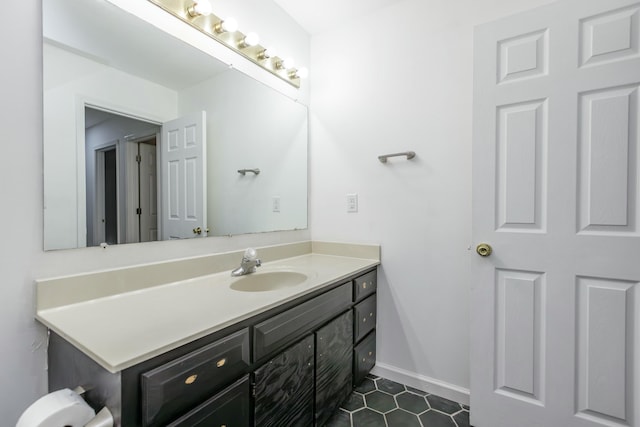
(379, 402)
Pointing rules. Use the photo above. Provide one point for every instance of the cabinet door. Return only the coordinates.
(284, 388)
(334, 346)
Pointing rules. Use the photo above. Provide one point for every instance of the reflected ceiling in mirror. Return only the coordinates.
(115, 92)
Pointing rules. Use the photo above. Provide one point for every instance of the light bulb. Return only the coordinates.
(230, 25)
(200, 7)
(303, 72)
(227, 25)
(203, 7)
(250, 39)
(288, 63)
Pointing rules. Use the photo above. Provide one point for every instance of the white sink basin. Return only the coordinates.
(268, 281)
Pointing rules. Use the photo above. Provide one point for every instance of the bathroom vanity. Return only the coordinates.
(282, 347)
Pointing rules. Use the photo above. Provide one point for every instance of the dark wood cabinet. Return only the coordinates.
(290, 366)
(365, 312)
(334, 346)
(284, 388)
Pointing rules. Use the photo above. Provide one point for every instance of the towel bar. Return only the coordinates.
(410, 155)
(244, 171)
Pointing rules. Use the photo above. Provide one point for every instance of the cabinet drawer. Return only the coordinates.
(282, 329)
(229, 408)
(171, 389)
(364, 285)
(364, 317)
(364, 358)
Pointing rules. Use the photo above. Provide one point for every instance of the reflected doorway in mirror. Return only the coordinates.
(121, 178)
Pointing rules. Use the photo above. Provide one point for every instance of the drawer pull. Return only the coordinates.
(370, 353)
(364, 319)
(364, 285)
(191, 379)
(371, 314)
(220, 363)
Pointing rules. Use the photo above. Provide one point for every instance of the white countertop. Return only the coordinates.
(121, 330)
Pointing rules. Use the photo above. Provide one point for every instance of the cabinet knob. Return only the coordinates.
(220, 363)
(191, 379)
(364, 285)
(370, 353)
(364, 319)
(371, 314)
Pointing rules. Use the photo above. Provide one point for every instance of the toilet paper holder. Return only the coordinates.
(66, 407)
(103, 418)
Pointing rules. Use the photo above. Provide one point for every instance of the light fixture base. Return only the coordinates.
(211, 26)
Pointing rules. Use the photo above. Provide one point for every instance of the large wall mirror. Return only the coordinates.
(147, 138)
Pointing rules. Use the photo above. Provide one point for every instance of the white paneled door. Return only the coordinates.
(555, 333)
(183, 159)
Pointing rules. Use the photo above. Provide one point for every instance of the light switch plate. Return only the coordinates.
(352, 203)
(276, 204)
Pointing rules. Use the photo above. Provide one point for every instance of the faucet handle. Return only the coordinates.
(250, 254)
(258, 262)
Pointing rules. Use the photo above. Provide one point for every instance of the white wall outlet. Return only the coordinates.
(276, 204)
(352, 203)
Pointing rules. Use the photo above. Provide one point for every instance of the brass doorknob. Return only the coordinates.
(484, 249)
(197, 230)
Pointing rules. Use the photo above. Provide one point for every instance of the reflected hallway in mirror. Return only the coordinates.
(122, 178)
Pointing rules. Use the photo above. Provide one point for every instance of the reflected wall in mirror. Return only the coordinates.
(117, 92)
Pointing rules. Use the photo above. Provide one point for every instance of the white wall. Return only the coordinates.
(23, 353)
(401, 79)
(22, 377)
(251, 126)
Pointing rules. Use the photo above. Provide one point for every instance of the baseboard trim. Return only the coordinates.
(422, 382)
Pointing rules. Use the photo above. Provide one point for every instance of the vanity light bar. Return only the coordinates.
(225, 31)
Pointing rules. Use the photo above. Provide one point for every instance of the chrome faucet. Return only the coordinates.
(248, 264)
